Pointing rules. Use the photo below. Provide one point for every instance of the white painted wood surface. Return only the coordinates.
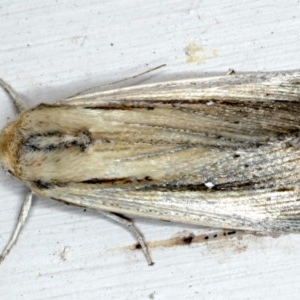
(52, 49)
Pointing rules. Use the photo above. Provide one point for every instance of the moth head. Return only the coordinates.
(9, 148)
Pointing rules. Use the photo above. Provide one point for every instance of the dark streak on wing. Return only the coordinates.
(118, 181)
(56, 140)
(145, 184)
(42, 185)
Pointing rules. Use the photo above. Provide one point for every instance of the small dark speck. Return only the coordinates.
(112, 44)
(138, 246)
(231, 232)
(236, 156)
(206, 238)
(188, 239)
(42, 185)
(246, 165)
(231, 72)
(215, 235)
(84, 210)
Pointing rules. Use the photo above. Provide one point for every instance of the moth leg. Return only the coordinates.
(116, 84)
(136, 233)
(138, 75)
(19, 103)
(24, 212)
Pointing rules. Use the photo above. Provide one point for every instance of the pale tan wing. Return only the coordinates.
(254, 87)
(250, 107)
(252, 192)
(217, 152)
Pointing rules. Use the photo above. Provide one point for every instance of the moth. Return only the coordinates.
(221, 151)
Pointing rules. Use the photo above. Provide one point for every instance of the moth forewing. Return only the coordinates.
(218, 151)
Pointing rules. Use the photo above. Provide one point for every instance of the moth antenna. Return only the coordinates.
(19, 103)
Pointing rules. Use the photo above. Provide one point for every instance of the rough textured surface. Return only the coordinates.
(50, 50)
